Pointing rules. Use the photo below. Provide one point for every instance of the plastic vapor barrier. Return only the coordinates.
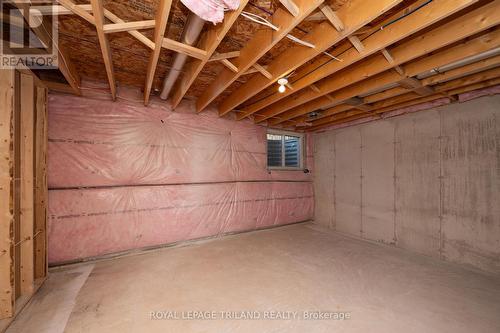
(123, 176)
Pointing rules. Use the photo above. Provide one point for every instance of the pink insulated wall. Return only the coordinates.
(123, 176)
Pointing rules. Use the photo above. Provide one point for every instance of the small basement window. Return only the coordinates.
(284, 150)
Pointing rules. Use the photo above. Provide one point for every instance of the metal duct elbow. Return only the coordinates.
(190, 35)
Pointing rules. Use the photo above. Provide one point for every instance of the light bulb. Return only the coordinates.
(281, 89)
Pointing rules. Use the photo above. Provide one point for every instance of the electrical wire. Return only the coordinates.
(336, 58)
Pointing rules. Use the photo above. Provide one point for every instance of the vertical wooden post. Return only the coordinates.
(7, 81)
(25, 244)
(40, 237)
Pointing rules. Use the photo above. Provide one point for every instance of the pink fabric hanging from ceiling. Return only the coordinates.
(211, 10)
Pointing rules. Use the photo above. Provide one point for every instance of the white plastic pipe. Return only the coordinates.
(190, 35)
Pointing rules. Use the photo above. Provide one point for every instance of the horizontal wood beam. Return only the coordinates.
(358, 45)
(65, 65)
(138, 35)
(127, 26)
(222, 56)
(98, 12)
(332, 17)
(78, 10)
(262, 71)
(184, 48)
(446, 56)
(58, 9)
(210, 42)
(229, 65)
(291, 7)
(72, 8)
(474, 81)
(161, 19)
(323, 37)
(262, 41)
(424, 17)
(488, 16)
(59, 87)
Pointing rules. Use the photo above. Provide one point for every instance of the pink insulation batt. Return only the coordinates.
(123, 176)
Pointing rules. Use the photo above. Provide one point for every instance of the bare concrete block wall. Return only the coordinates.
(428, 182)
(323, 188)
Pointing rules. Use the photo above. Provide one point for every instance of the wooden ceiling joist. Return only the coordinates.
(161, 19)
(127, 26)
(453, 74)
(183, 48)
(229, 65)
(209, 43)
(262, 71)
(57, 9)
(449, 55)
(98, 13)
(358, 45)
(323, 36)
(258, 46)
(446, 34)
(424, 17)
(66, 66)
(332, 17)
(323, 60)
(291, 7)
(386, 59)
(68, 69)
(80, 10)
(410, 99)
(469, 69)
(135, 33)
(221, 56)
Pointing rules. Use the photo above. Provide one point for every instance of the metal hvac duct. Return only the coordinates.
(190, 34)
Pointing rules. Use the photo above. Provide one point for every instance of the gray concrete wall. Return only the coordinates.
(428, 182)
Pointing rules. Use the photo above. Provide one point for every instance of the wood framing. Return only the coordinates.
(291, 7)
(410, 99)
(161, 23)
(464, 26)
(80, 10)
(222, 56)
(426, 16)
(7, 81)
(25, 244)
(41, 185)
(209, 43)
(135, 33)
(262, 71)
(229, 65)
(98, 12)
(371, 51)
(325, 35)
(20, 138)
(184, 48)
(480, 44)
(127, 26)
(332, 17)
(259, 45)
(65, 65)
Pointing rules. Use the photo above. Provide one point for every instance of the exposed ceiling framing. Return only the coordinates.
(368, 59)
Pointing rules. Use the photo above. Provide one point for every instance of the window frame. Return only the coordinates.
(302, 141)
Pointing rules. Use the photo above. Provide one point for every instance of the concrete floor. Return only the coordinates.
(278, 273)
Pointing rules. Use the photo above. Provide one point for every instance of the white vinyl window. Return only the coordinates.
(285, 150)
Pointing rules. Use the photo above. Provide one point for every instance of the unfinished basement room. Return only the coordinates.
(256, 166)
